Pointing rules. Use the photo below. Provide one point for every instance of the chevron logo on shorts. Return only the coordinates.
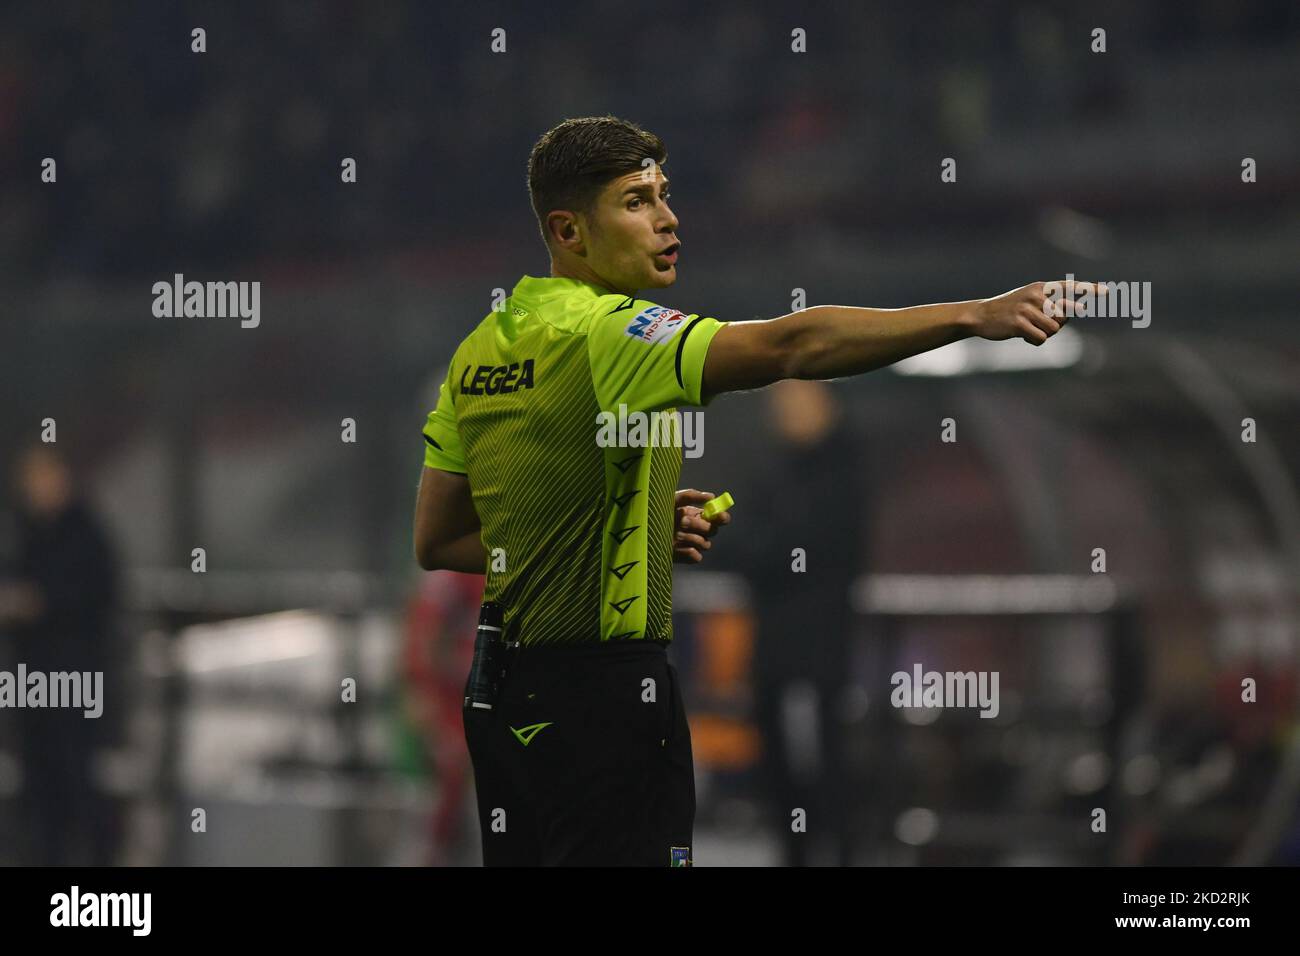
(525, 735)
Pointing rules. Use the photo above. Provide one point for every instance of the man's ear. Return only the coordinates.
(565, 230)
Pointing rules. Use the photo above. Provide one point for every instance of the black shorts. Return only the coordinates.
(585, 760)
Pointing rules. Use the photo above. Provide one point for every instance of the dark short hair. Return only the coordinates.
(571, 163)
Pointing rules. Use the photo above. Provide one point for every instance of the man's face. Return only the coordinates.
(44, 483)
(630, 234)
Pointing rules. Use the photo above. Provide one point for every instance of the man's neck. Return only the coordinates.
(584, 274)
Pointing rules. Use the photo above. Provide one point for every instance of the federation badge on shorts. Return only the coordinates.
(679, 856)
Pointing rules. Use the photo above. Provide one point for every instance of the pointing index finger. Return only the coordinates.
(695, 495)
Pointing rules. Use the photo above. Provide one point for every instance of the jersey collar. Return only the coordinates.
(535, 288)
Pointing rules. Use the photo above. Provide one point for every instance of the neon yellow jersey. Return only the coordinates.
(578, 532)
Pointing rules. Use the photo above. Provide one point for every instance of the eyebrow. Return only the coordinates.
(644, 187)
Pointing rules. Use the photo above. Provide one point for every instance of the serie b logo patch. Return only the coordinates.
(655, 324)
(679, 856)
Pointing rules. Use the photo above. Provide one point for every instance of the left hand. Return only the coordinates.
(691, 533)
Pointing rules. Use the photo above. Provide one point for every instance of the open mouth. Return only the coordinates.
(670, 253)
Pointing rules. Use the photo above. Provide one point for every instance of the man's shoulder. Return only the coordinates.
(578, 314)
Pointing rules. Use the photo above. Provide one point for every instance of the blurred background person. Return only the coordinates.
(60, 608)
(810, 496)
(441, 618)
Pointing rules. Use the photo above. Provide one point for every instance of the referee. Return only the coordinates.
(585, 758)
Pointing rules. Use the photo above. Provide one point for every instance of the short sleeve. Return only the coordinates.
(648, 357)
(442, 448)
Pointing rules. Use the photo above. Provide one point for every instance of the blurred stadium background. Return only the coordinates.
(814, 171)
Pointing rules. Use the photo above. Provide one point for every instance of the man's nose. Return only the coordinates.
(669, 222)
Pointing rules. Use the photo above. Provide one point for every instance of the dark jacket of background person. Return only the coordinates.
(811, 497)
(67, 558)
